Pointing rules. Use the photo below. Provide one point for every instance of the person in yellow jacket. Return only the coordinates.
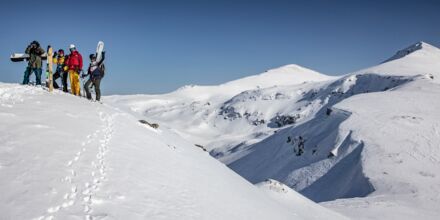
(59, 60)
(74, 64)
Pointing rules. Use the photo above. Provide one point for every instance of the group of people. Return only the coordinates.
(67, 66)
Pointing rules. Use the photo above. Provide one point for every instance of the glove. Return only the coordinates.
(83, 75)
(55, 54)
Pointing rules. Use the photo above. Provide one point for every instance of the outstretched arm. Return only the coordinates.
(102, 58)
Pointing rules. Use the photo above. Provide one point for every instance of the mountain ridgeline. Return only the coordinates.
(349, 137)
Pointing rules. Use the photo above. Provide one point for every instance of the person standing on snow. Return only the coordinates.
(74, 64)
(96, 72)
(35, 62)
(59, 59)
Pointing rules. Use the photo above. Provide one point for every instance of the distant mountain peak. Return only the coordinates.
(289, 68)
(408, 50)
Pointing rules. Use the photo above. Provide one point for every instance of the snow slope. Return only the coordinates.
(401, 156)
(63, 157)
(206, 115)
(285, 75)
(380, 140)
(370, 138)
(291, 199)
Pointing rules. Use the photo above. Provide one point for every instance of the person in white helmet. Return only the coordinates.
(74, 65)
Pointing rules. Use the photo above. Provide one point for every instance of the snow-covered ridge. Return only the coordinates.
(325, 147)
(286, 75)
(325, 138)
(411, 49)
(367, 150)
(192, 108)
(63, 157)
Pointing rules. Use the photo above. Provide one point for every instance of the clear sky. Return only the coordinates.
(158, 46)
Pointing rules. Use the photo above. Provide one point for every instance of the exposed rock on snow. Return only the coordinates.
(408, 50)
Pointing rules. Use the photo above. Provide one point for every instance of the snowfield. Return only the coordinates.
(63, 157)
(198, 113)
(289, 143)
(366, 144)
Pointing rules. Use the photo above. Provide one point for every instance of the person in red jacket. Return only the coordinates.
(74, 64)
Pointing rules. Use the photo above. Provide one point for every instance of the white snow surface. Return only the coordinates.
(195, 112)
(371, 137)
(63, 157)
(291, 199)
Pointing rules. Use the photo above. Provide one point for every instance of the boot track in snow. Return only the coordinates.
(83, 191)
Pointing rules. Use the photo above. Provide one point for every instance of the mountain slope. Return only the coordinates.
(371, 134)
(286, 75)
(62, 157)
(375, 135)
(401, 156)
(206, 115)
(290, 199)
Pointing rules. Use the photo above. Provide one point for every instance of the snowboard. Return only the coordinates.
(99, 49)
(49, 67)
(19, 57)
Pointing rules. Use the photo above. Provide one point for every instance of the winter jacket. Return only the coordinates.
(59, 60)
(74, 61)
(94, 71)
(35, 60)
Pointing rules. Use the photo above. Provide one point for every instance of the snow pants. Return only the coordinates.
(96, 83)
(60, 73)
(64, 76)
(29, 70)
(74, 82)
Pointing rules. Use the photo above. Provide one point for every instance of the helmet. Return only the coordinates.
(61, 51)
(92, 56)
(72, 46)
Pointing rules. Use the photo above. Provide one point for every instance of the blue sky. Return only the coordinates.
(158, 46)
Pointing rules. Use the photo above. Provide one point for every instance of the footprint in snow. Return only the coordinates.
(68, 203)
(53, 209)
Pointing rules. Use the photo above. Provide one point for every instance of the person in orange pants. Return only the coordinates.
(74, 64)
(74, 82)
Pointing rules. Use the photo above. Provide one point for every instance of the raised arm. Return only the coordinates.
(28, 49)
(102, 58)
